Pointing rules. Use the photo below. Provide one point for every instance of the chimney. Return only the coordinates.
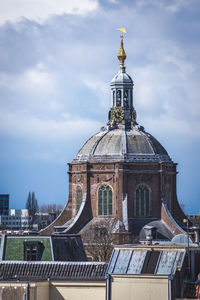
(150, 234)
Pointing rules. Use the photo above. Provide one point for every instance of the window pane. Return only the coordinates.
(105, 200)
(142, 201)
(137, 203)
(110, 203)
(113, 98)
(147, 201)
(142, 206)
(105, 203)
(78, 198)
(118, 98)
(100, 203)
(32, 251)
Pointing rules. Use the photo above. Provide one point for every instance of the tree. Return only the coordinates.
(51, 208)
(34, 204)
(32, 207)
(28, 202)
(98, 239)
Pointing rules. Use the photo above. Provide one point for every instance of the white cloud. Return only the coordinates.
(33, 91)
(37, 79)
(185, 68)
(171, 127)
(40, 10)
(96, 85)
(172, 6)
(113, 1)
(54, 80)
(34, 79)
(177, 5)
(157, 3)
(101, 88)
(21, 124)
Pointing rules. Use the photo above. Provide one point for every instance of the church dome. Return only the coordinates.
(122, 145)
(122, 139)
(120, 78)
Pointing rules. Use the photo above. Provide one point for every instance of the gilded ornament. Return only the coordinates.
(122, 53)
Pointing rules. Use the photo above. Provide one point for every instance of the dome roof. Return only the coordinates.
(121, 78)
(122, 145)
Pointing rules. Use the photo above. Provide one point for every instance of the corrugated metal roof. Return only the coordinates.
(52, 270)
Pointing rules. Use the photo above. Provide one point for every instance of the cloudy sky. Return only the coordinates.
(57, 58)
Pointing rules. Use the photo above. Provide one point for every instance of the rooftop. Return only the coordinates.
(152, 259)
(32, 271)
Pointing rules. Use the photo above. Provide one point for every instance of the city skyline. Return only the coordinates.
(56, 64)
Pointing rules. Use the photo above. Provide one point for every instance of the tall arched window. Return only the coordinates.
(78, 198)
(105, 200)
(131, 98)
(118, 100)
(142, 201)
(113, 98)
(126, 98)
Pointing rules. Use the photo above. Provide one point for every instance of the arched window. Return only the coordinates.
(142, 201)
(104, 200)
(78, 198)
(126, 98)
(113, 98)
(131, 98)
(118, 100)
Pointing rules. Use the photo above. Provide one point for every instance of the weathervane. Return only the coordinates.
(123, 30)
(122, 54)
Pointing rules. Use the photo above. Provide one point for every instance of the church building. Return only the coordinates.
(122, 173)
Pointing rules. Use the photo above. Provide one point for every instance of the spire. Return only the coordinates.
(122, 113)
(122, 54)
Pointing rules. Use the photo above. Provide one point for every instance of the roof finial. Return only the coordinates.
(122, 54)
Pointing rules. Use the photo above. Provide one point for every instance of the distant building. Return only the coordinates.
(18, 219)
(42, 220)
(4, 204)
(194, 219)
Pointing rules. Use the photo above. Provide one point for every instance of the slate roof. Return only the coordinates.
(123, 145)
(31, 271)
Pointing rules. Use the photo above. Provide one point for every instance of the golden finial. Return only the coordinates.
(122, 54)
